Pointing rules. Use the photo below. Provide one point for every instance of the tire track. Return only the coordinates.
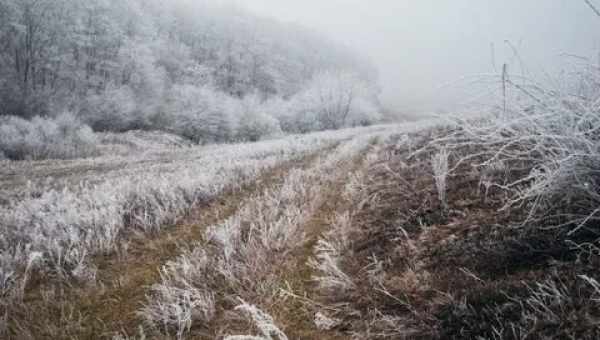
(296, 313)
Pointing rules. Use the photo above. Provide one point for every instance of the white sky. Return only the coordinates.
(421, 45)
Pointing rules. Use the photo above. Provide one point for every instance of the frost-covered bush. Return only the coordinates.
(547, 138)
(255, 123)
(112, 110)
(364, 113)
(44, 138)
(205, 115)
(256, 126)
(200, 114)
(300, 116)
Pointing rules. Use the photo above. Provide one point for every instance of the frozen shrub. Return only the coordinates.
(547, 140)
(254, 123)
(364, 113)
(300, 119)
(200, 114)
(113, 110)
(43, 138)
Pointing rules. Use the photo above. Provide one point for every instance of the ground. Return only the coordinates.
(404, 265)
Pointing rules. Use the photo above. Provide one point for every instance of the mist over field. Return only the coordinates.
(312, 170)
(422, 49)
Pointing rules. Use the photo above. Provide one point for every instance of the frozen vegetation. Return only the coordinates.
(239, 257)
(56, 228)
(62, 138)
(204, 70)
(190, 170)
(485, 227)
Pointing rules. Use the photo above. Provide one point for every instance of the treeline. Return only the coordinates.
(207, 71)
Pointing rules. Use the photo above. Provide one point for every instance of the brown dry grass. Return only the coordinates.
(465, 273)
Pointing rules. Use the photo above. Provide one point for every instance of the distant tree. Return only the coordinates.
(337, 99)
(29, 32)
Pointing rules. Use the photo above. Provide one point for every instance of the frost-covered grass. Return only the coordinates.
(439, 164)
(242, 254)
(263, 321)
(138, 141)
(56, 227)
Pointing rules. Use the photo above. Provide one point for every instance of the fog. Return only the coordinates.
(423, 48)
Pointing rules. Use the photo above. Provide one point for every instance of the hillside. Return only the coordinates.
(205, 70)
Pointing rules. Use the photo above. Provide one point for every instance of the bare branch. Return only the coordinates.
(593, 7)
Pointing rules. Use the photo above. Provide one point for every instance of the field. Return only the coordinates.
(66, 223)
(309, 170)
(431, 230)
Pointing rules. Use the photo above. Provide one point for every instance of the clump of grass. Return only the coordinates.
(263, 322)
(439, 163)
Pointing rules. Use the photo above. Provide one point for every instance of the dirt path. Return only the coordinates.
(294, 316)
(80, 312)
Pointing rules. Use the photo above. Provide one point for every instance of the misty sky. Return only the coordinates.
(421, 46)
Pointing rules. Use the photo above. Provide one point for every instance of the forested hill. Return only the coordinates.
(202, 69)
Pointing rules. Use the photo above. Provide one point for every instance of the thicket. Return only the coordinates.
(203, 70)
